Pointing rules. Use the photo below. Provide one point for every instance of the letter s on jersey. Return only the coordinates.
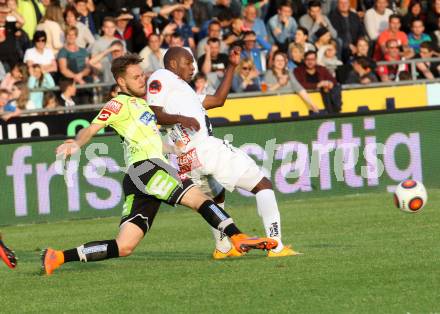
(104, 115)
(154, 87)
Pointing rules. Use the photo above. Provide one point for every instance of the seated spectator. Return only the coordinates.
(393, 32)
(50, 101)
(362, 72)
(279, 78)
(40, 54)
(389, 73)
(124, 28)
(19, 97)
(228, 7)
(314, 20)
(10, 50)
(251, 22)
(103, 42)
(435, 36)
(85, 15)
(348, 25)
(302, 37)
(39, 79)
(427, 69)
(433, 16)
(282, 27)
(201, 85)
(150, 23)
(67, 92)
(213, 63)
(415, 12)
(250, 50)
(313, 76)
(85, 37)
(183, 28)
(376, 19)
(152, 54)
(113, 92)
(50, 24)
(115, 50)
(297, 6)
(417, 35)
(327, 57)
(214, 31)
(362, 47)
(7, 111)
(296, 55)
(246, 77)
(18, 73)
(234, 33)
(32, 12)
(323, 37)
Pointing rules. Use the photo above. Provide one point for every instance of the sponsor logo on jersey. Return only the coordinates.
(113, 106)
(147, 117)
(104, 115)
(188, 161)
(154, 87)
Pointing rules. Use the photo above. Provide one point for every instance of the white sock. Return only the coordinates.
(221, 240)
(268, 210)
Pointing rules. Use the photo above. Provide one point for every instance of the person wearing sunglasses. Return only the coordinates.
(246, 77)
(40, 54)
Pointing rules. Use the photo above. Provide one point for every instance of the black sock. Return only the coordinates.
(218, 218)
(93, 251)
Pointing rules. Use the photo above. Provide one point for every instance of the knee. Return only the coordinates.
(264, 184)
(194, 198)
(125, 250)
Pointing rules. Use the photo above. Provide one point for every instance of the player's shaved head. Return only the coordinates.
(175, 53)
(179, 61)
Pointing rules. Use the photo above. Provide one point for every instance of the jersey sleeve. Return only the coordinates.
(112, 112)
(157, 89)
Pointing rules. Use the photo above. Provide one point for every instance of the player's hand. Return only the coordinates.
(189, 123)
(234, 56)
(69, 147)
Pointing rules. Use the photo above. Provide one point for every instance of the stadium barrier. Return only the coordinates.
(253, 107)
(310, 158)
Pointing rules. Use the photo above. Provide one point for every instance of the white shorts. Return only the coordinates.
(220, 165)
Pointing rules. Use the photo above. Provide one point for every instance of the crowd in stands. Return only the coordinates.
(287, 45)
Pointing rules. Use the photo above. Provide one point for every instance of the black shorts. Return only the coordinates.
(146, 184)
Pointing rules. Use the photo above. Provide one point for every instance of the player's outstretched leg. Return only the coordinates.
(219, 219)
(268, 210)
(7, 255)
(128, 238)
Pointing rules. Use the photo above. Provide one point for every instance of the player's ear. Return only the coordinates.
(121, 82)
(173, 64)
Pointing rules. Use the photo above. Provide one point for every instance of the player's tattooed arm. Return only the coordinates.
(218, 99)
(164, 118)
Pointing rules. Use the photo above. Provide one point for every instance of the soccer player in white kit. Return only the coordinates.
(213, 164)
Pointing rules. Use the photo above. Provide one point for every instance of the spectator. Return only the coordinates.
(362, 72)
(376, 19)
(246, 78)
(417, 35)
(51, 25)
(40, 54)
(39, 79)
(124, 28)
(104, 41)
(50, 101)
(349, 27)
(18, 73)
(235, 32)
(282, 27)
(414, 13)
(13, 15)
(313, 76)
(213, 63)
(297, 7)
(393, 32)
(314, 20)
(67, 92)
(279, 78)
(20, 97)
(214, 31)
(113, 92)
(389, 73)
(435, 36)
(362, 47)
(183, 28)
(250, 50)
(427, 69)
(144, 28)
(32, 11)
(152, 54)
(296, 55)
(7, 111)
(9, 45)
(327, 57)
(85, 37)
(302, 37)
(103, 68)
(323, 38)
(433, 16)
(201, 85)
(85, 9)
(251, 22)
(228, 7)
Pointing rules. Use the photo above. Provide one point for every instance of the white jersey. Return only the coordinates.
(165, 89)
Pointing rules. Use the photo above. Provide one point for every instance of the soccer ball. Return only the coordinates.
(410, 196)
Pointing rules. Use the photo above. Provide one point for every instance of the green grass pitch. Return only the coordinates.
(362, 255)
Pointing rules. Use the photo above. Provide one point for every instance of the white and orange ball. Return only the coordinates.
(410, 196)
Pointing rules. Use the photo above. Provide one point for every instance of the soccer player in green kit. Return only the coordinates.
(149, 179)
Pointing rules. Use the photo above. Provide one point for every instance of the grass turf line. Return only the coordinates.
(362, 255)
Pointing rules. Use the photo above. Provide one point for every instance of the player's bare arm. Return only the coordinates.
(71, 146)
(164, 118)
(218, 99)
